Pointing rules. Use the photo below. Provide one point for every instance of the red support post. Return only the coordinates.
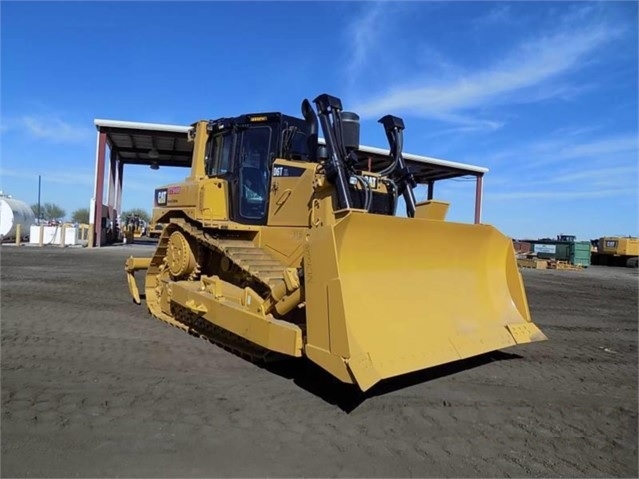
(118, 187)
(99, 188)
(478, 198)
(112, 185)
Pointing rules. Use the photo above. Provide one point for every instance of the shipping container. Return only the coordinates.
(574, 252)
(580, 253)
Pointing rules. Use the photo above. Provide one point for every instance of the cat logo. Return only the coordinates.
(161, 197)
(371, 180)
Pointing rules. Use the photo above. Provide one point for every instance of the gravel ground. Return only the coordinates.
(93, 386)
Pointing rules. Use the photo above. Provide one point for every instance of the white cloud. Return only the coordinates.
(576, 131)
(599, 148)
(55, 129)
(613, 151)
(364, 32)
(565, 195)
(470, 127)
(135, 179)
(526, 74)
(366, 57)
(65, 178)
(51, 128)
(567, 169)
(609, 176)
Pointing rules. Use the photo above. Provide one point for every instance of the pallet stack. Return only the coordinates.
(534, 263)
(554, 264)
(530, 261)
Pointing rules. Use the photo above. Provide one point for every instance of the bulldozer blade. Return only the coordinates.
(388, 295)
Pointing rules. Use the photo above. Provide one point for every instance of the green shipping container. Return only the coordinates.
(580, 253)
(577, 252)
(563, 251)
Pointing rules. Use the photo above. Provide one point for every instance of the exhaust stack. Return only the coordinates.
(311, 121)
(394, 126)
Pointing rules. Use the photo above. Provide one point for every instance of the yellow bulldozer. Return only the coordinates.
(279, 245)
(135, 226)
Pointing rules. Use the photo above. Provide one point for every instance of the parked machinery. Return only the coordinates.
(278, 246)
(616, 251)
(155, 230)
(136, 225)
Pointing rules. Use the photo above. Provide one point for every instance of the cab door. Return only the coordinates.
(250, 183)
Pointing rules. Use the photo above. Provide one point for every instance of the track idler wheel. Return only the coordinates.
(179, 256)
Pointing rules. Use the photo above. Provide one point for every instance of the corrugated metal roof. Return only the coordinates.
(134, 140)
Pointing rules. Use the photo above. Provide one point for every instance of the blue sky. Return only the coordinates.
(543, 94)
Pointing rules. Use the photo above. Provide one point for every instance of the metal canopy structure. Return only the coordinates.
(157, 145)
(133, 142)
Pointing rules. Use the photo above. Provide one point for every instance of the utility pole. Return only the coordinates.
(39, 187)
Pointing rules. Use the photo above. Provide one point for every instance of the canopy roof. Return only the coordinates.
(133, 142)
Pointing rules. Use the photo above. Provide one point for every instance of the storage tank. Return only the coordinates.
(13, 213)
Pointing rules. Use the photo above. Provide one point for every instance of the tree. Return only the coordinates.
(80, 215)
(143, 215)
(49, 211)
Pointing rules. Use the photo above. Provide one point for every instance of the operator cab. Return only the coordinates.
(242, 150)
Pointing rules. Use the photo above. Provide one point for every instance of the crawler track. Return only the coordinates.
(251, 266)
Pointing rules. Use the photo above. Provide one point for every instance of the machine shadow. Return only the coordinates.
(348, 397)
(146, 241)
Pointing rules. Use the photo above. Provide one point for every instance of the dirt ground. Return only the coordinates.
(93, 386)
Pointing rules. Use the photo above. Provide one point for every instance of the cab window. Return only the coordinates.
(218, 160)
